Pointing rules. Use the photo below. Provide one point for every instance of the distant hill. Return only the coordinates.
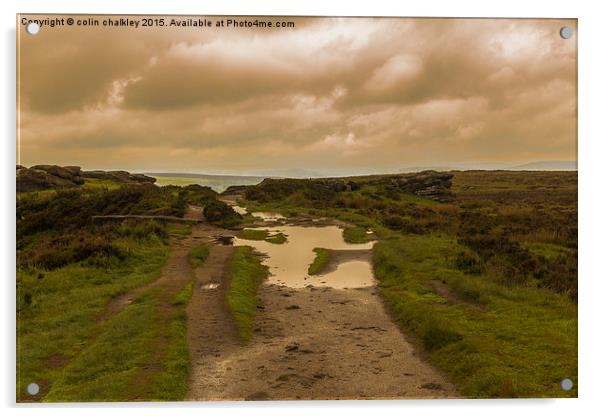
(548, 165)
(202, 175)
(218, 183)
(412, 169)
(291, 173)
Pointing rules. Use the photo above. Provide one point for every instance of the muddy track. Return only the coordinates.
(212, 333)
(317, 344)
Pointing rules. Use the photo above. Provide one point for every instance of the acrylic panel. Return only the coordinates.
(295, 208)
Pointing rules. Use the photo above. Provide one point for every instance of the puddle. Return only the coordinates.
(289, 262)
(351, 274)
(239, 210)
(268, 216)
(209, 286)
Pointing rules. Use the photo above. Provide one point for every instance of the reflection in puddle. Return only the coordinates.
(289, 262)
(239, 210)
(347, 275)
(209, 286)
(224, 240)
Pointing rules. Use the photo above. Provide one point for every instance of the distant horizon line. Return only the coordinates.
(547, 165)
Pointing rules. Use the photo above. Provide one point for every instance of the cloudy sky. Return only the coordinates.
(331, 95)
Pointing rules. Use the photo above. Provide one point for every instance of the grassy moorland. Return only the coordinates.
(485, 282)
(246, 273)
(68, 269)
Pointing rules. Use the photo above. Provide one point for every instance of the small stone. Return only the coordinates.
(292, 347)
(432, 386)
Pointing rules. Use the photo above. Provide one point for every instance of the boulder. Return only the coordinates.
(71, 173)
(119, 176)
(40, 177)
(31, 179)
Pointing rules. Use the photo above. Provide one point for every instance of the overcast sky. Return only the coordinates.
(330, 95)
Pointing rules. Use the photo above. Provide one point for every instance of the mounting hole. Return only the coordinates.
(32, 28)
(566, 32)
(33, 389)
(566, 384)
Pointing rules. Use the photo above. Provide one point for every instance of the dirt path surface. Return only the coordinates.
(314, 344)
(211, 330)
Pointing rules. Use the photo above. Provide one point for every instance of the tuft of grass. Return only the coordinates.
(255, 234)
(184, 296)
(178, 229)
(356, 235)
(546, 250)
(198, 254)
(277, 238)
(93, 183)
(246, 273)
(172, 383)
(320, 261)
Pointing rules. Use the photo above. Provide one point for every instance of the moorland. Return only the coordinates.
(131, 291)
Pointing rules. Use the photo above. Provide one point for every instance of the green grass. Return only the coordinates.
(108, 368)
(277, 238)
(262, 235)
(172, 383)
(93, 183)
(198, 254)
(253, 234)
(356, 235)
(178, 229)
(58, 309)
(320, 261)
(246, 273)
(496, 341)
(546, 250)
(103, 371)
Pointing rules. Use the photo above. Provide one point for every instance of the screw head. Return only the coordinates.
(33, 389)
(566, 32)
(566, 384)
(32, 28)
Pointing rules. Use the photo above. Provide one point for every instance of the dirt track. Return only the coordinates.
(314, 343)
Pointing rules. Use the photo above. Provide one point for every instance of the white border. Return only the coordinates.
(590, 135)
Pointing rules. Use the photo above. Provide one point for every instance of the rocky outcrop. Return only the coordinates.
(119, 176)
(41, 177)
(429, 184)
